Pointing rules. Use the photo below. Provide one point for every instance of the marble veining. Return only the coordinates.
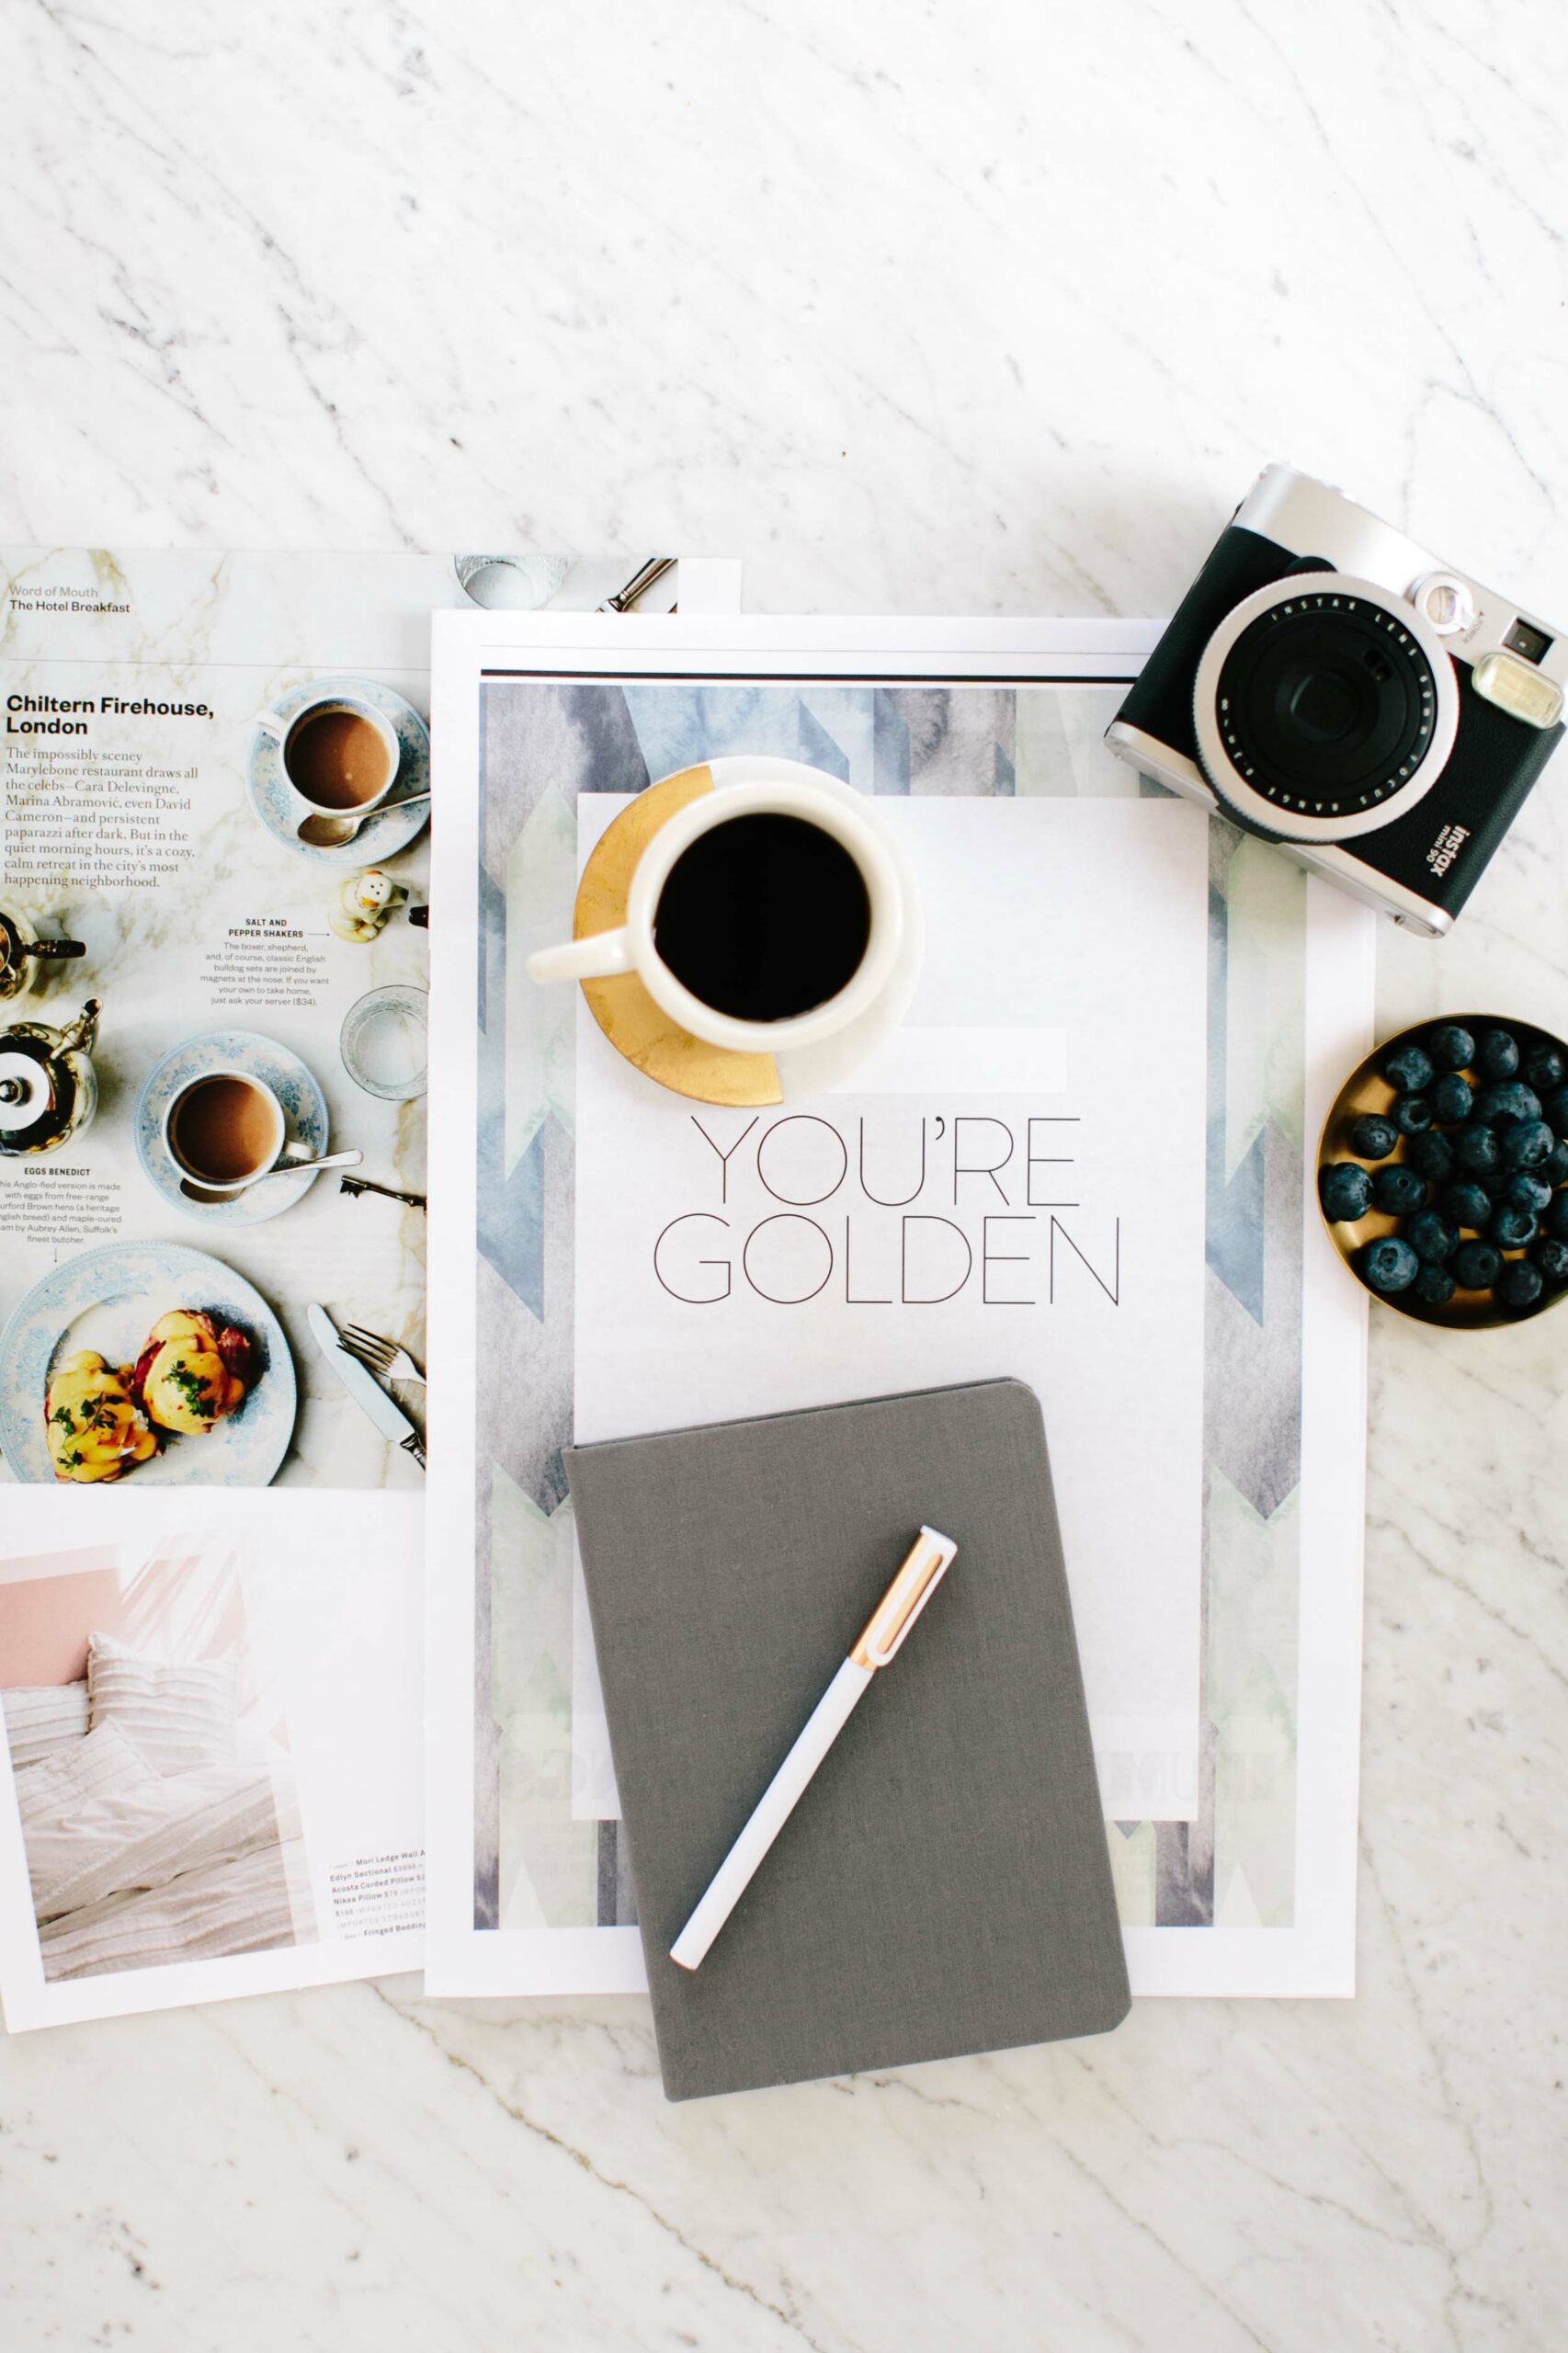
(915, 308)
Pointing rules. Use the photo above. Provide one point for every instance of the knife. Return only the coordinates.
(641, 580)
(364, 1389)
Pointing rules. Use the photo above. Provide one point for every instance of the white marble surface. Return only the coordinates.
(910, 306)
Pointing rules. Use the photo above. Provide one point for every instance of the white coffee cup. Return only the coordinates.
(285, 733)
(269, 1142)
(631, 947)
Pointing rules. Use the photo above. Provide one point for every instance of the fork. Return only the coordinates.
(385, 1357)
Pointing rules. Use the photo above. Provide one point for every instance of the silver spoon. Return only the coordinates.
(294, 1159)
(332, 833)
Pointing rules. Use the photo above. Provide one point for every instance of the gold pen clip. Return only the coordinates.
(924, 1565)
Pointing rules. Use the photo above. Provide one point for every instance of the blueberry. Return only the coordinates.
(1497, 1106)
(1554, 1167)
(1468, 1203)
(1432, 1155)
(1346, 1191)
(1511, 1228)
(1412, 1114)
(1373, 1136)
(1518, 1285)
(1451, 1099)
(1551, 1257)
(1525, 1192)
(1476, 1266)
(1398, 1191)
(1390, 1265)
(1407, 1069)
(1527, 1145)
(1450, 1047)
(1556, 1218)
(1497, 1055)
(1476, 1148)
(1546, 1067)
(1432, 1236)
(1435, 1285)
(1554, 1110)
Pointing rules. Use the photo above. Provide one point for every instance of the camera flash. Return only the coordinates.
(1515, 687)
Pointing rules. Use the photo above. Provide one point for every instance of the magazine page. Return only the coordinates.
(1069, 1147)
(215, 787)
(205, 987)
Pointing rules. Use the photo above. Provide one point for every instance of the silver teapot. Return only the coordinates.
(25, 958)
(48, 1090)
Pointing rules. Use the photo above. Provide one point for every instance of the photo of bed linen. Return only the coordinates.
(131, 1868)
(209, 1781)
(161, 1823)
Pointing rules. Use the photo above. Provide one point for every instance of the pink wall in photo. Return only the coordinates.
(45, 1621)
(49, 1606)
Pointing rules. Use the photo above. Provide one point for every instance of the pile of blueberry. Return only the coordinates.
(1479, 1189)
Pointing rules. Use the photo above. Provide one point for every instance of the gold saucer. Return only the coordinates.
(634, 1024)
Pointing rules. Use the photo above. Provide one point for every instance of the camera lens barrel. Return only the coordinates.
(1324, 707)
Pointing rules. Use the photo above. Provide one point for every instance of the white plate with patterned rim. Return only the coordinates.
(282, 1073)
(108, 1300)
(393, 827)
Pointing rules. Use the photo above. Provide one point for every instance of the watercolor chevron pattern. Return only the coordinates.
(534, 1865)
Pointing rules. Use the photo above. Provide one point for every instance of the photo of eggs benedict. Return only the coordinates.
(102, 1421)
(145, 1357)
(95, 1428)
(192, 1373)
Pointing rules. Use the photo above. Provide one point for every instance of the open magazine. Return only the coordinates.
(215, 796)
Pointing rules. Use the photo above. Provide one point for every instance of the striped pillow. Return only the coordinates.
(41, 1719)
(105, 1762)
(179, 1712)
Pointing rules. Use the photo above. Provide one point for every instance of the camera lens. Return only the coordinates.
(1326, 705)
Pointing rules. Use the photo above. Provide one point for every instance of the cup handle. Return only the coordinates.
(597, 958)
(270, 724)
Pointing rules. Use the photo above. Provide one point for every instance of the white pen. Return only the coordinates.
(922, 1569)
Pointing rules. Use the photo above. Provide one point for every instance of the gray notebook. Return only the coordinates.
(943, 1885)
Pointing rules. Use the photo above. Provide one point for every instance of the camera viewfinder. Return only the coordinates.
(1531, 644)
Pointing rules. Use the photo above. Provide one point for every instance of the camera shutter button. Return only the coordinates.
(1444, 600)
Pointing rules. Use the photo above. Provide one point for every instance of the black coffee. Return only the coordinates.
(764, 917)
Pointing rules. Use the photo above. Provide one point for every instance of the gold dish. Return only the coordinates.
(634, 1024)
(1366, 1089)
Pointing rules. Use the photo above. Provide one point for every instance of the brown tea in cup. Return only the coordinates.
(337, 758)
(225, 1127)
